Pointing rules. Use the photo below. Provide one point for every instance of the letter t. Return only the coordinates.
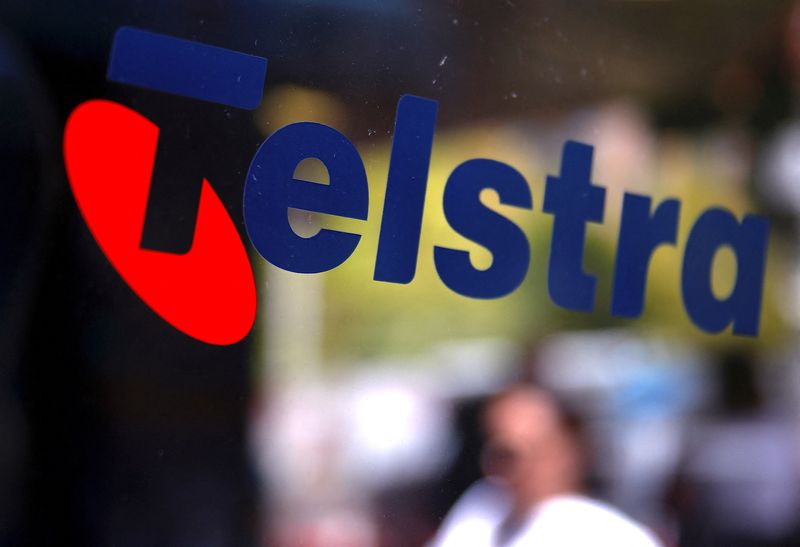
(572, 200)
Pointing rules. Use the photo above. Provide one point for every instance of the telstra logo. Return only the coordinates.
(209, 291)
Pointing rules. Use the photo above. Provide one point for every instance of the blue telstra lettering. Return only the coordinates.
(405, 190)
(639, 235)
(469, 217)
(236, 79)
(182, 67)
(716, 228)
(271, 189)
(572, 200)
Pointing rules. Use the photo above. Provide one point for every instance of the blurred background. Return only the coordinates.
(350, 415)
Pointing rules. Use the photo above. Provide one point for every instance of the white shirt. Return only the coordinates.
(562, 521)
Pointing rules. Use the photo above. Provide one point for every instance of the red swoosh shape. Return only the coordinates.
(209, 292)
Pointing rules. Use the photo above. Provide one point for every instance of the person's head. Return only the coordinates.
(532, 445)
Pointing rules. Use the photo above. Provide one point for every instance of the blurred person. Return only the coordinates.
(534, 464)
(739, 483)
(344, 525)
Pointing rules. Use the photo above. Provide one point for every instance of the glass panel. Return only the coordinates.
(360, 273)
